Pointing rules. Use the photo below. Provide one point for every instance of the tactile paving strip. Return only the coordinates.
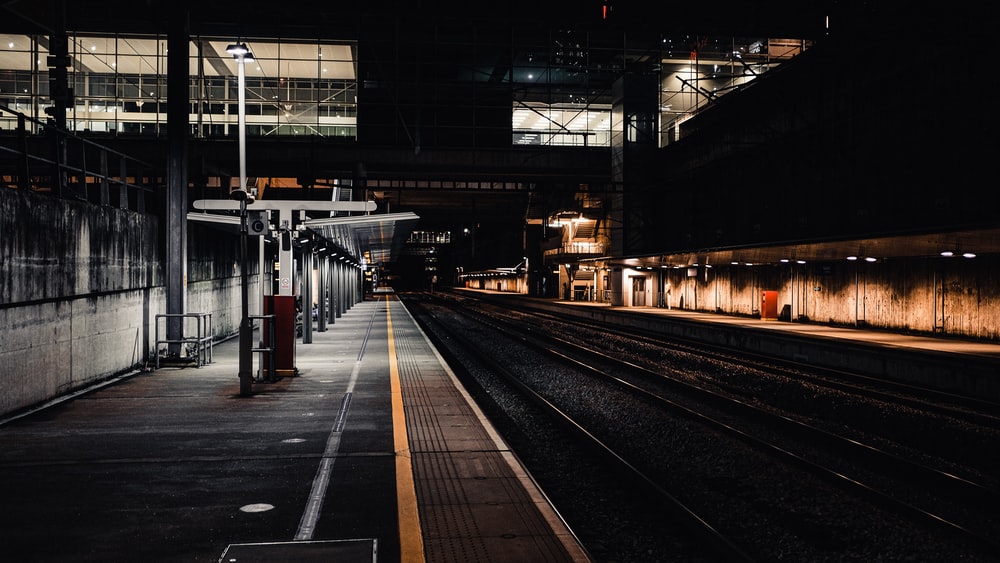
(473, 507)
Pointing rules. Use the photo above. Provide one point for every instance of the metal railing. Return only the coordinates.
(51, 159)
(199, 346)
(269, 350)
(576, 249)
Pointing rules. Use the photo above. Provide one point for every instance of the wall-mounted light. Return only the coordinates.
(949, 254)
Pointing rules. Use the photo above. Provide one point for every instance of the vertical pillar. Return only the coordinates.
(338, 282)
(359, 285)
(105, 187)
(350, 299)
(58, 61)
(246, 326)
(321, 291)
(286, 261)
(265, 271)
(348, 287)
(341, 289)
(177, 166)
(307, 293)
(331, 284)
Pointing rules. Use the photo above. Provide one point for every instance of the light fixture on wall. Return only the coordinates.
(950, 253)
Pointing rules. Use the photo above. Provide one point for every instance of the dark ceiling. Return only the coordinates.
(316, 19)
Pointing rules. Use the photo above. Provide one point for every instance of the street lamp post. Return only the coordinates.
(242, 54)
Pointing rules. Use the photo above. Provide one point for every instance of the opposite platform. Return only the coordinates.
(953, 365)
(373, 452)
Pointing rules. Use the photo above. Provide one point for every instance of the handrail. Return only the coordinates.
(578, 248)
(58, 166)
(202, 341)
(269, 350)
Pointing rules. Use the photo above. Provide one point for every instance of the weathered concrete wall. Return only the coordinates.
(54, 347)
(213, 284)
(80, 288)
(52, 249)
(78, 284)
(955, 296)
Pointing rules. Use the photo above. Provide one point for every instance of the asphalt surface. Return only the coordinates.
(174, 465)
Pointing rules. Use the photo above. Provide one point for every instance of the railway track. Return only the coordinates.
(720, 546)
(972, 409)
(820, 396)
(925, 497)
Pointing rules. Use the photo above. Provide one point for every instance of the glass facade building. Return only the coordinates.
(560, 86)
(119, 85)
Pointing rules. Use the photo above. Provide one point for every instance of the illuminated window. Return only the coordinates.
(120, 86)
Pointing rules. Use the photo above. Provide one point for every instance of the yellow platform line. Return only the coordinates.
(411, 541)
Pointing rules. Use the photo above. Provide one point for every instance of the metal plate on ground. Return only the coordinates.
(334, 551)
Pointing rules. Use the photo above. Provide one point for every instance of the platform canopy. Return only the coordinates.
(379, 236)
(376, 237)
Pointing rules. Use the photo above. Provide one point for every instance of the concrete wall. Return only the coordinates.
(213, 284)
(955, 296)
(80, 288)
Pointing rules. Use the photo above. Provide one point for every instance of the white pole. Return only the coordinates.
(242, 122)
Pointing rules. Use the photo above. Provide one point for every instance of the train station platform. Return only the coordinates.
(954, 365)
(372, 452)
